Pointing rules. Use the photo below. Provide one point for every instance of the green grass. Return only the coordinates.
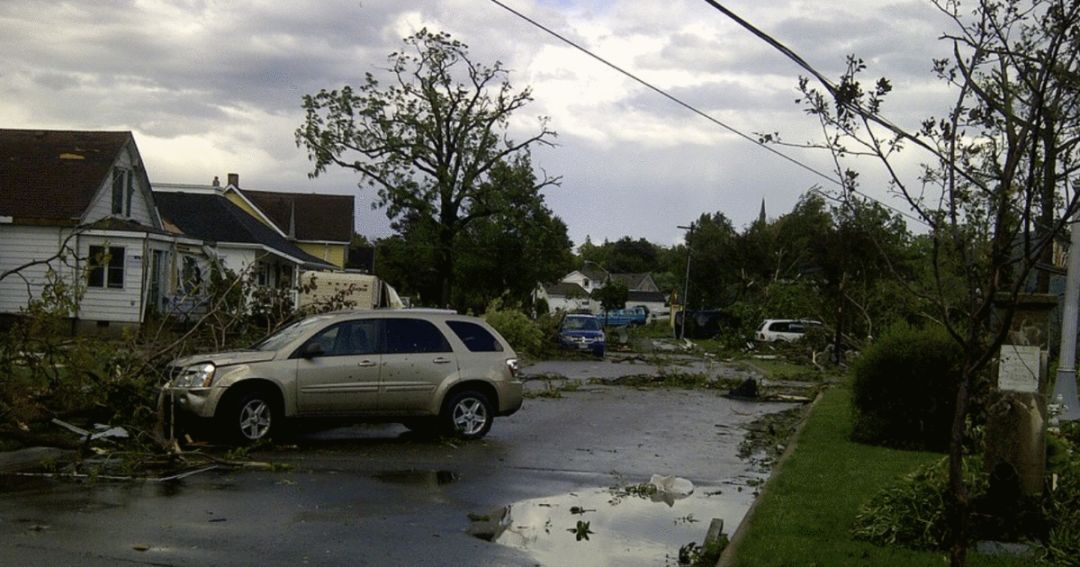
(781, 369)
(808, 508)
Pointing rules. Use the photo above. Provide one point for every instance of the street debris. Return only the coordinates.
(668, 489)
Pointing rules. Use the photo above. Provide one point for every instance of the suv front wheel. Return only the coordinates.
(249, 417)
(468, 414)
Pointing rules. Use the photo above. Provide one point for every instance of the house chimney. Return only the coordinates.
(217, 182)
(234, 179)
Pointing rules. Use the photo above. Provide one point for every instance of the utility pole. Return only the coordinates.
(686, 282)
(1065, 383)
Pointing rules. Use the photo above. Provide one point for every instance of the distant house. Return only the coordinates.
(567, 297)
(590, 277)
(573, 291)
(239, 241)
(77, 206)
(321, 225)
(643, 291)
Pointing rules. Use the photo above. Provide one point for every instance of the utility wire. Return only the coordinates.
(665, 94)
(706, 116)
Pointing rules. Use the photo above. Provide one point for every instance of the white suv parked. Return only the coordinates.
(788, 330)
(425, 369)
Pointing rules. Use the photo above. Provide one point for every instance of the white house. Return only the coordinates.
(236, 240)
(77, 206)
(573, 291)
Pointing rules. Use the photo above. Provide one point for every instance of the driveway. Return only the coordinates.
(377, 495)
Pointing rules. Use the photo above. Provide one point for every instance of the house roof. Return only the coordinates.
(631, 281)
(53, 175)
(312, 216)
(213, 217)
(564, 289)
(646, 297)
(594, 272)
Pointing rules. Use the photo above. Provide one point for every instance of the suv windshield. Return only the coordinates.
(581, 324)
(288, 334)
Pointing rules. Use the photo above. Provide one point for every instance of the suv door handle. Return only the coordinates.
(366, 363)
(441, 360)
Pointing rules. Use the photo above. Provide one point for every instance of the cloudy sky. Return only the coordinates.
(214, 86)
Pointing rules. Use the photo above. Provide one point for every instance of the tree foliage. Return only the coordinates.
(427, 141)
(997, 186)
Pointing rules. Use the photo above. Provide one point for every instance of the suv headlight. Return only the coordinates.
(196, 376)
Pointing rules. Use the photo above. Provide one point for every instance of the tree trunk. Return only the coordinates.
(958, 513)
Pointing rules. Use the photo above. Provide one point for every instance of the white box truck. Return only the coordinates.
(345, 290)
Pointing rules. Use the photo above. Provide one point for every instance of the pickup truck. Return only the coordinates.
(625, 317)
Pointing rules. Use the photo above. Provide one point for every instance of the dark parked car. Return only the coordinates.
(582, 332)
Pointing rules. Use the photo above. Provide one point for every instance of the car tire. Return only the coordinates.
(250, 417)
(468, 414)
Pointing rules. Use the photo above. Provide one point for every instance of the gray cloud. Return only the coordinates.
(215, 85)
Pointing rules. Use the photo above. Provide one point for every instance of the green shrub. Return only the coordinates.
(904, 389)
(914, 512)
(515, 326)
(1062, 510)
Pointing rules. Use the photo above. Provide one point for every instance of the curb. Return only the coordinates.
(727, 557)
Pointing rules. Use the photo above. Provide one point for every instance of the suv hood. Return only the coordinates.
(226, 358)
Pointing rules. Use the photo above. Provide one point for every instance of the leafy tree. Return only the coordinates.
(612, 296)
(508, 253)
(712, 247)
(995, 189)
(632, 256)
(589, 252)
(427, 141)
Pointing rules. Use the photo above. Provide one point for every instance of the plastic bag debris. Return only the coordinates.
(670, 488)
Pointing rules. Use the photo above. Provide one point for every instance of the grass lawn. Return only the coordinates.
(809, 506)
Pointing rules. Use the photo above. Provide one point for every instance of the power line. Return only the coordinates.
(665, 94)
(698, 112)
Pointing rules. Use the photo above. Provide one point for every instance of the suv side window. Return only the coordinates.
(475, 337)
(779, 327)
(414, 336)
(350, 338)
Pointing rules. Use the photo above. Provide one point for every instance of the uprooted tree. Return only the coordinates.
(427, 141)
(998, 186)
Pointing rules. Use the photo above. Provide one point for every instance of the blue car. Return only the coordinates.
(582, 332)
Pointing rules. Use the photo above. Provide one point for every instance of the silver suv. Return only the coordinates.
(427, 369)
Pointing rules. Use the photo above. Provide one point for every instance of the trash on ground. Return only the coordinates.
(670, 488)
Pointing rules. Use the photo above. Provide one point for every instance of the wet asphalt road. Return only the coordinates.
(377, 495)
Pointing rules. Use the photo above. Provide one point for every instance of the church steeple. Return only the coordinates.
(761, 216)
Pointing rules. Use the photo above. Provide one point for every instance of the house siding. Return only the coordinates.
(101, 206)
(333, 253)
(247, 208)
(110, 304)
(20, 245)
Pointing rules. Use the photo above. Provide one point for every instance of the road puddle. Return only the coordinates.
(618, 526)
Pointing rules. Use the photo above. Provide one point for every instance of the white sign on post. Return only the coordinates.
(1018, 368)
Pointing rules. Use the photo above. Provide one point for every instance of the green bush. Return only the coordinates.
(515, 326)
(1062, 510)
(904, 389)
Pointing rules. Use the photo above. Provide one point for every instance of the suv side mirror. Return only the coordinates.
(311, 350)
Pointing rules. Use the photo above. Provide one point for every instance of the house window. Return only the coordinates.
(106, 267)
(123, 190)
(130, 191)
(190, 275)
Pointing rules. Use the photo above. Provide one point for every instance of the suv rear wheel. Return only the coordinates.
(468, 414)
